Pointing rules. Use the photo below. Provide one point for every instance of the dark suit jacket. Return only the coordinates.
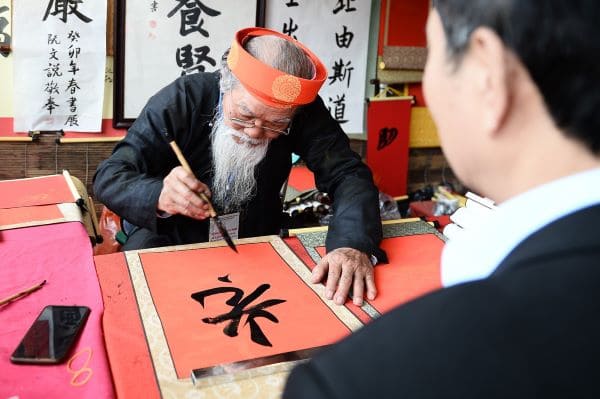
(130, 181)
(531, 330)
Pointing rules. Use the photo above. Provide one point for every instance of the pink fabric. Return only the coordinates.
(61, 254)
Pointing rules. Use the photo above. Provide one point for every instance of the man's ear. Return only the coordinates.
(491, 80)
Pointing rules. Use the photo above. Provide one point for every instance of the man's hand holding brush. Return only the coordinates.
(181, 194)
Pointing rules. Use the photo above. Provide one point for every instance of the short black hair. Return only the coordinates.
(558, 41)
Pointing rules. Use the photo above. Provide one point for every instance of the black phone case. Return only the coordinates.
(40, 331)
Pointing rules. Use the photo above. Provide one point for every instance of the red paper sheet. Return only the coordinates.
(126, 346)
(296, 246)
(413, 270)
(301, 179)
(43, 213)
(304, 321)
(45, 190)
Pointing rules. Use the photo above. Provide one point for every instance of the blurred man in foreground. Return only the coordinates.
(514, 88)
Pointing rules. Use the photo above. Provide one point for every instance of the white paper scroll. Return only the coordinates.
(59, 50)
(165, 38)
(337, 31)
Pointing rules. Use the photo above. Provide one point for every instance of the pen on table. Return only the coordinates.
(211, 209)
(22, 293)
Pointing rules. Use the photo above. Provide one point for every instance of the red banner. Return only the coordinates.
(388, 129)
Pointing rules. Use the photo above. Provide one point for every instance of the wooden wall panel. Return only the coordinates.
(46, 157)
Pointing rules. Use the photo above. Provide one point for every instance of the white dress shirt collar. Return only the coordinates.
(477, 251)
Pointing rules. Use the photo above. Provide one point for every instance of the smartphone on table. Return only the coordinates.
(51, 335)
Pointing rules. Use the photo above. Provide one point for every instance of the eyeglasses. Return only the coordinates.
(251, 124)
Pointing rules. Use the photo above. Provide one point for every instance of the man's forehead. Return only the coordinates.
(247, 103)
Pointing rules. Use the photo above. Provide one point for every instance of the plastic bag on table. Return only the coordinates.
(388, 208)
(109, 227)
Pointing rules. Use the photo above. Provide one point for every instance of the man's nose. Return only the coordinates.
(255, 132)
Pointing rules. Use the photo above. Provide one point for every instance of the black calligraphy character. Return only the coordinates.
(72, 101)
(53, 53)
(340, 72)
(239, 308)
(50, 105)
(72, 87)
(53, 70)
(64, 8)
(72, 120)
(291, 3)
(3, 35)
(73, 36)
(192, 61)
(53, 39)
(386, 137)
(190, 16)
(74, 51)
(344, 3)
(73, 68)
(154, 6)
(340, 108)
(345, 38)
(51, 88)
(290, 28)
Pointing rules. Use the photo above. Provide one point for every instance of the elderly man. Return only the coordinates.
(237, 128)
(514, 88)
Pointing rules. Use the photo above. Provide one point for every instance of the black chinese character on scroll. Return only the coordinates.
(72, 86)
(190, 12)
(72, 120)
(386, 137)
(63, 8)
(340, 108)
(240, 306)
(52, 54)
(345, 38)
(53, 70)
(51, 88)
(341, 72)
(344, 3)
(5, 38)
(191, 60)
(53, 39)
(291, 3)
(290, 28)
(50, 105)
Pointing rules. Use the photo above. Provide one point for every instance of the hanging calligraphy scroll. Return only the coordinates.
(221, 316)
(159, 40)
(337, 31)
(59, 58)
(388, 130)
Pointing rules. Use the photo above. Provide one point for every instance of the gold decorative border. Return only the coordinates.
(259, 382)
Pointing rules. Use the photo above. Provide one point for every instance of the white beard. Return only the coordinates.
(233, 166)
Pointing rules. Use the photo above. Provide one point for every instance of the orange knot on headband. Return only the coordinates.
(270, 85)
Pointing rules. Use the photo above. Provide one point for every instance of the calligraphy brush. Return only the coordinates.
(23, 293)
(211, 209)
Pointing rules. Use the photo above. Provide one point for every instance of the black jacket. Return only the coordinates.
(130, 181)
(531, 330)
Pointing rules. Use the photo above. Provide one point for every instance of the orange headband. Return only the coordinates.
(270, 85)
